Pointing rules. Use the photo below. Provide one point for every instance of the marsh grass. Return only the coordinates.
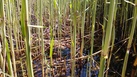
(35, 34)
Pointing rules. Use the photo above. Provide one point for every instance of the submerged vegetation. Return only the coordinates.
(68, 38)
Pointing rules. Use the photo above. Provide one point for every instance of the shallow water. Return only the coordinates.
(83, 71)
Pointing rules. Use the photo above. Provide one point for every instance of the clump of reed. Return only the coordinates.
(37, 26)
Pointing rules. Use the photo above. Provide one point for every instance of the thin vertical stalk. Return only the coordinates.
(122, 17)
(82, 26)
(10, 18)
(73, 40)
(104, 53)
(3, 35)
(60, 21)
(25, 32)
(1, 24)
(9, 59)
(130, 39)
(112, 40)
(112, 46)
(92, 32)
(1, 57)
(51, 31)
(104, 20)
(88, 17)
(125, 32)
(15, 27)
(42, 38)
(38, 20)
(71, 33)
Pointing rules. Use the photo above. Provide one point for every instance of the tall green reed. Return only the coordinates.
(42, 37)
(92, 32)
(83, 15)
(1, 24)
(9, 59)
(112, 40)
(51, 26)
(24, 27)
(73, 7)
(57, 13)
(10, 22)
(3, 36)
(105, 49)
(130, 39)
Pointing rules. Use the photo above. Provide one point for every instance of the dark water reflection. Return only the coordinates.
(79, 72)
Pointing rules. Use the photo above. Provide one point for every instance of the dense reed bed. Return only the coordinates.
(68, 38)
